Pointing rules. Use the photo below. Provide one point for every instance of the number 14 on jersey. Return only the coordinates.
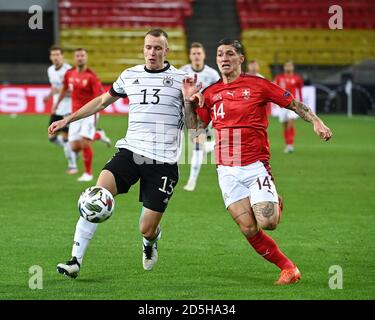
(219, 111)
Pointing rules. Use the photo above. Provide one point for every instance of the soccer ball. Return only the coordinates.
(96, 204)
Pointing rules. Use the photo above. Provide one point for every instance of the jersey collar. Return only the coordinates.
(198, 71)
(57, 69)
(167, 66)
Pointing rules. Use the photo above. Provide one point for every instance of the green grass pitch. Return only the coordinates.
(329, 219)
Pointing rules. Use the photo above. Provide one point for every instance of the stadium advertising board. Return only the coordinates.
(28, 99)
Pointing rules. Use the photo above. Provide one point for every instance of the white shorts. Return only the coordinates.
(253, 180)
(84, 128)
(286, 114)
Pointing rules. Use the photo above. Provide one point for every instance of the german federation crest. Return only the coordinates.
(168, 81)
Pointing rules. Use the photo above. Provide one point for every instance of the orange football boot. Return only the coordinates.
(289, 276)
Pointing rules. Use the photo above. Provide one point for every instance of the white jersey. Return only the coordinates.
(56, 79)
(156, 116)
(207, 75)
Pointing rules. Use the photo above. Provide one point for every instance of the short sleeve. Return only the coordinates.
(66, 84)
(204, 114)
(276, 94)
(118, 87)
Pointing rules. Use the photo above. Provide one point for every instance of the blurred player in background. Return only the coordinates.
(253, 68)
(84, 86)
(150, 150)
(56, 74)
(292, 83)
(204, 143)
(236, 106)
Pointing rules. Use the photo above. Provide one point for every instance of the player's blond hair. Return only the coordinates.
(157, 32)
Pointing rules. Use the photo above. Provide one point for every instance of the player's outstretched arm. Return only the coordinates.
(95, 105)
(308, 115)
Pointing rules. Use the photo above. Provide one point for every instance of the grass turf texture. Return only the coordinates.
(328, 219)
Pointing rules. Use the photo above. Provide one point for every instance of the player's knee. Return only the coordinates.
(269, 224)
(86, 143)
(248, 230)
(147, 231)
(52, 138)
(76, 146)
(107, 180)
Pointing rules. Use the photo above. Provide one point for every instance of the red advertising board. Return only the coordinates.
(28, 99)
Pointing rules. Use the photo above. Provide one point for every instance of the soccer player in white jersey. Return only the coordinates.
(150, 150)
(207, 76)
(56, 74)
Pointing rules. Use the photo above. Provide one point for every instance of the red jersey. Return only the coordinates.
(84, 86)
(239, 116)
(292, 83)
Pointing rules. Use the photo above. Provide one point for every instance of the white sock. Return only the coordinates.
(85, 230)
(58, 140)
(70, 155)
(195, 166)
(150, 242)
(209, 146)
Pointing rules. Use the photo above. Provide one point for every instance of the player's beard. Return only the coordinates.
(81, 66)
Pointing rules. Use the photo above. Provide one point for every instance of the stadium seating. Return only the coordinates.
(118, 13)
(111, 50)
(359, 14)
(274, 31)
(113, 30)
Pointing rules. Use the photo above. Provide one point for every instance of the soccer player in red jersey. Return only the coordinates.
(293, 83)
(237, 107)
(84, 86)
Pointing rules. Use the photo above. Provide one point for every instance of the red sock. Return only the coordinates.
(286, 135)
(97, 136)
(88, 154)
(268, 249)
(290, 136)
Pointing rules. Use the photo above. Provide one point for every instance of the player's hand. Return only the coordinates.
(46, 99)
(322, 130)
(197, 98)
(191, 89)
(56, 126)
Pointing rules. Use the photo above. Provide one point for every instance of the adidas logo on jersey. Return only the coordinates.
(136, 81)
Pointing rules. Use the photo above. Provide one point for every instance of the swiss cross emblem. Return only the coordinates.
(217, 97)
(246, 93)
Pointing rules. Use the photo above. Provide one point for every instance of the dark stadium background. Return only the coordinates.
(271, 31)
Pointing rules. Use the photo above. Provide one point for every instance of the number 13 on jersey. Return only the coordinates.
(219, 111)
